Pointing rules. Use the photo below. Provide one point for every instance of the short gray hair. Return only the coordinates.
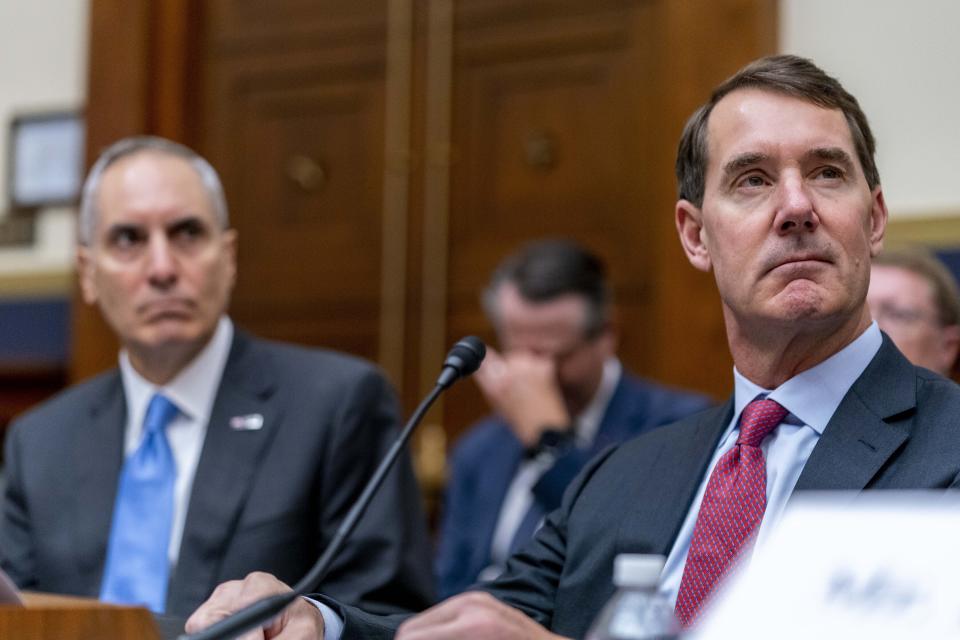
(548, 269)
(87, 223)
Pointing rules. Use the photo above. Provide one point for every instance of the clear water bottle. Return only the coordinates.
(636, 611)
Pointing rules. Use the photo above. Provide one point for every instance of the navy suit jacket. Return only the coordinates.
(262, 500)
(486, 460)
(897, 428)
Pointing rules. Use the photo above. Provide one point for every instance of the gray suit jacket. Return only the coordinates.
(266, 500)
(897, 428)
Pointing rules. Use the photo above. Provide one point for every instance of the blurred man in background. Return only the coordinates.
(560, 396)
(915, 300)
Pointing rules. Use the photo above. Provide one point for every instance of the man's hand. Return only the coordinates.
(474, 615)
(523, 388)
(300, 621)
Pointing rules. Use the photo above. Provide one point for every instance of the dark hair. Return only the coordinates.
(945, 293)
(87, 221)
(786, 74)
(545, 270)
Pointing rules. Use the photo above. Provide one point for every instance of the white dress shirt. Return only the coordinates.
(193, 390)
(519, 497)
(810, 398)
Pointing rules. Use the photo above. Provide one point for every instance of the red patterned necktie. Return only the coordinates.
(731, 510)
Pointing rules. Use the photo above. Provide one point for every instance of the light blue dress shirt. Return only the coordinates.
(811, 398)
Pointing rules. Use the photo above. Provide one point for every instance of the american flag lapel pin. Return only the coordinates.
(249, 422)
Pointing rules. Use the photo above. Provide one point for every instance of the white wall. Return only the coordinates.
(43, 66)
(901, 59)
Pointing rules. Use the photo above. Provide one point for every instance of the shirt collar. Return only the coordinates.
(812, 396)
(588, 422)
(193, 389)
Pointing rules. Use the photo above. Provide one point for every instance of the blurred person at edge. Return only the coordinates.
(915, 300)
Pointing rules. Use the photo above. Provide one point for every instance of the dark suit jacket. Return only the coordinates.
(897, 428)
(486, 460)
(267, 500)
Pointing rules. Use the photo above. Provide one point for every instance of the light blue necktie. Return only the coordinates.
(137, 567)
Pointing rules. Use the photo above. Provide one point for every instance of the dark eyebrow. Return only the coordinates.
(187, 222)
(743, 161)
(119, 227)
(832, 154)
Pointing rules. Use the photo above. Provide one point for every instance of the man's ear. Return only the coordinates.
(689, 219)
(878, 221)
(230, 240)
(88, 285)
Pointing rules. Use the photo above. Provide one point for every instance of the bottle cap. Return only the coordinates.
(637, 570)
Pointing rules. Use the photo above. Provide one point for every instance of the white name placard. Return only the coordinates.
(876, 565)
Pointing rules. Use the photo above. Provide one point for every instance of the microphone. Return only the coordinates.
(462, 360)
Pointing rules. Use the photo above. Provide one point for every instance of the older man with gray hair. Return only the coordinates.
(207, 454)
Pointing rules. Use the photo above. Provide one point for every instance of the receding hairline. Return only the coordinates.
(748, 157)
(122, 162)
(140, 154)
(131, 148)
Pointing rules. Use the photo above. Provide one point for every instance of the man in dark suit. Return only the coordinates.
(560, 395)
(208, 454)
(780, 198)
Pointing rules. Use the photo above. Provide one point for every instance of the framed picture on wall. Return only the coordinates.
(45, 159)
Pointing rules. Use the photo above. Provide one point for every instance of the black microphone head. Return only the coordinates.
(462, 360)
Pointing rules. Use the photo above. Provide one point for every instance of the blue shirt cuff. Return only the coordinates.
(332, 624)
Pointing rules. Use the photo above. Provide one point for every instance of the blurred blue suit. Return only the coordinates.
(486, 459)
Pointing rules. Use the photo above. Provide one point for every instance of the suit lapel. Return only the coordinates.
(621, 413)
(857, 441)
(497, 478)
(669, 484)
(225, 471)
(98, 438)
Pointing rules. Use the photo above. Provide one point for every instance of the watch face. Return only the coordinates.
(554, 438)
(46, 159)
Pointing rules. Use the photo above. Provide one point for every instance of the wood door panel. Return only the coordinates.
(298, 137)
(551, 127)
(548, 143)
(246, 25)
(323, 218)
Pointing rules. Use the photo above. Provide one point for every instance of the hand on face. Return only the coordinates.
(523, 388)
(474, 615)
(300, 621)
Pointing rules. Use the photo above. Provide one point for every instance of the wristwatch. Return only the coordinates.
(553, 440)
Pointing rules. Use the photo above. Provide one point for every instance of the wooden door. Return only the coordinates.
(292, 115)
(554, 106)
(563, 118)
(381, 156)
